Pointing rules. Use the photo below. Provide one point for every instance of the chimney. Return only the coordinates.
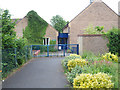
(119, 8)
(91, 1)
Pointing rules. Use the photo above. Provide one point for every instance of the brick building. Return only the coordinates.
(51, 33)
(97, 14)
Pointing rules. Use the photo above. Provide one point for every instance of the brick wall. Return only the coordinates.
(93, 43)
(20, 26)
(97, 14)
(51, 33)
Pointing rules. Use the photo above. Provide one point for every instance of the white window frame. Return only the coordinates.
(46, 41)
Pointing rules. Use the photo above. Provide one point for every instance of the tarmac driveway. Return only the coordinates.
(44, 72)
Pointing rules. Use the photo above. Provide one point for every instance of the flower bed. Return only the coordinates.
(90, 71)
(99, 80)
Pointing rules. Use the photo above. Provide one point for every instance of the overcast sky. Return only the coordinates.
(68, 9)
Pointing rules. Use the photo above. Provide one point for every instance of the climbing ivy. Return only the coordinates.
(36, 28)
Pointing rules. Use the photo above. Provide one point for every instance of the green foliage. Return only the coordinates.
(65, 61)
(87, 54)
(98, 28)
(53, 49)
(13, 50)
(95, 65)
(71, 75)
(8, 34)
(94, 30)
(10, 60)
(36, 28)
(21, 50)
(21, 42)
(114, 41)
(52, 42)
(90, 57)
(58, 22)
(103, 66)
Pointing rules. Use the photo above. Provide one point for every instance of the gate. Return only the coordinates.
(54, 50)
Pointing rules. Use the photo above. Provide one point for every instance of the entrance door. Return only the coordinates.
(62, 41)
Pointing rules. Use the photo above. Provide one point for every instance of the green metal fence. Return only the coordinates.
(13, 58)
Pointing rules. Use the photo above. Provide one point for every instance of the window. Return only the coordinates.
(46, 41)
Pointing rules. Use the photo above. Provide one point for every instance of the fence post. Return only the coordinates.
(63, 50)
(31, 51)
(47, 50)
(26, 54)
(77, 49)
(16, 57)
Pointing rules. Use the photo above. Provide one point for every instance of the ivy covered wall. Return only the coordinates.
(36, 28)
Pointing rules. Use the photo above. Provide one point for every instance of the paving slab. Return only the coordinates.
(43, 72)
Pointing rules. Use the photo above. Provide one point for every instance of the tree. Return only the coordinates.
(58, 22)
(9, 39)
(8, 34)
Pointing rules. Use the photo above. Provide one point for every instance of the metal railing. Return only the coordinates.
(54, 50)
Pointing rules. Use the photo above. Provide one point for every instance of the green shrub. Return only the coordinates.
(21, 50)
(13, 50)
(75, 71)
(94, 30)
(53, 48)
(87, 54)
(114, 41)
(105, 67)
(90, 57)
(53, 42)
(71, 57)
(72, 63)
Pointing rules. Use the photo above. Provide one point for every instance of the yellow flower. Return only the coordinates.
(72, 63)
(110, 57)
(99, 80)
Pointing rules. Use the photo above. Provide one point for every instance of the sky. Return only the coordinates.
(68, 9)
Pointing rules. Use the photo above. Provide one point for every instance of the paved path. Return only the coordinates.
(44, 72)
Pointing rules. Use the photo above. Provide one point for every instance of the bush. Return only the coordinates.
(114, 41)
(87, 54)
(99, 80)
(52, 42)
(105, 67)
(90, 57)
(94, 30)
(13, 50)
(52, 48)
(95, 65)
(75, 71)
(21, 50)
(72, 63)
(110, 57)
(71, 57)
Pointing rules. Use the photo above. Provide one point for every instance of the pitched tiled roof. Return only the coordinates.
(13, 20)
(17, 20)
